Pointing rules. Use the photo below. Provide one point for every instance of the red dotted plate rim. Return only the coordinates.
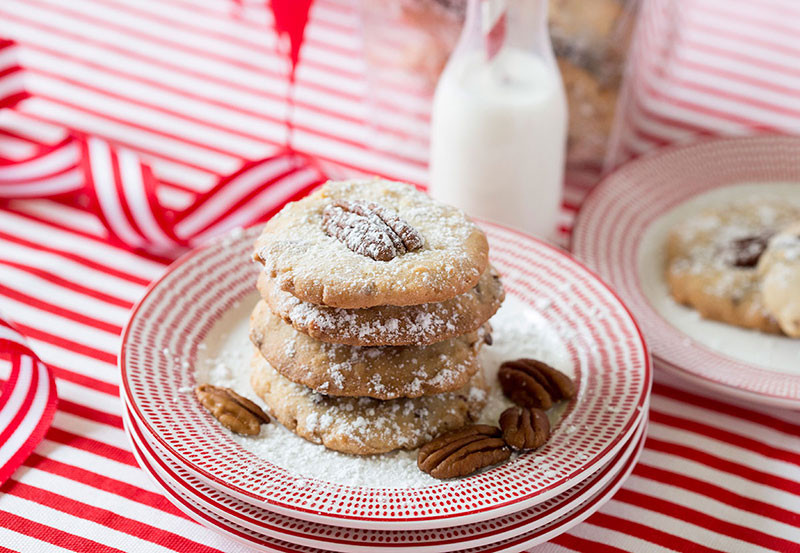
(719, 381)
(451, 519)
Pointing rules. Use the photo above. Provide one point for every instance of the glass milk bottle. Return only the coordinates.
(499, 119)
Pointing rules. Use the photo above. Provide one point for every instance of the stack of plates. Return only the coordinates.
(511, 507)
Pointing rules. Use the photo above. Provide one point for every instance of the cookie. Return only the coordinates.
(779, 270)
(389, 325)
(712, 259)
(364, 243)
(383, 372)
(364, 426)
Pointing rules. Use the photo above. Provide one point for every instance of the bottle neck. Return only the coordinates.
(493, 24)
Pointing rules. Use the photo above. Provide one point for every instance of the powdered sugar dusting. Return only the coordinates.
(518, 331)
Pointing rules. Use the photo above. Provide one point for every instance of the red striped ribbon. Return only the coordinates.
(122, 192)
(27, 401)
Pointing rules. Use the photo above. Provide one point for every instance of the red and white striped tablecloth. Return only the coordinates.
(196, 88)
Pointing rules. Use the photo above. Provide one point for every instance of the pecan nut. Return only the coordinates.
(463, 452)
(370, 229)
(234, 412)
(531, 383)
(746, 252)
(524, 427)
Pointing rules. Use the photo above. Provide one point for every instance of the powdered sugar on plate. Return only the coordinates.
(519, 331)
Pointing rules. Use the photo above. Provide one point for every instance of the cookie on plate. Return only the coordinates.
(779, 270)
(389, 325)
(712, 259)
(383, 372)
(364, 426)
(364, 243)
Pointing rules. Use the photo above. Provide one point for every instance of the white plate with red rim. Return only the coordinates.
(609, 360)
(160, 464)
(621, 230)
(271, 532)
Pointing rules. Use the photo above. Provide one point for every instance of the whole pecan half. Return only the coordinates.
(525, 427)
(370, 229)
(531, 383)
(463, 452)
(233, 411)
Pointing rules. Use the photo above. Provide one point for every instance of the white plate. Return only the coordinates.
(159, 463)
(605, 349)
(621, 231)
(269, 531)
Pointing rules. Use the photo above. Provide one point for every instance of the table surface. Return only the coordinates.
(196, 87)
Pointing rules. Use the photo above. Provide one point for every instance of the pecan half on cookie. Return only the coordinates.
(234, 412)
(463, 452)
(370, 229)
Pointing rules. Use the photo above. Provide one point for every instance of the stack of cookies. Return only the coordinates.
(374, 307)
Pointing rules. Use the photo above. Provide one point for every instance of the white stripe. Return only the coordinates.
(744, 427)
(109, 435)
(70, 181)
(32, 416)
(133, 185)
(736, 484)
(95, 463)
(105, 254)
(589, 531)
(27, 283)
(22, 542)
(18, 394)
(71, 216)
(9, 56)
(727, 451)
(71, 271)
(41, 319)
(718, 509)
(88, 397)
(272, 196)
(44, 166)
(235, 189)
(681, 528)
(75, 362)
(105, 186)
(90, 530)
(11, 84)
(7, 333)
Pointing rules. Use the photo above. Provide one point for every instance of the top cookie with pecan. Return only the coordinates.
(363, 243)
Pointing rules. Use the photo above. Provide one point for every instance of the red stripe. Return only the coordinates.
(109, 519)
(652, 535)
(22, 410)
(699, 518)
(84, 380)
(119, 47)
(736, 411)
(120, 193)
(75, 257)
(66, 343)
(69, 285)
(720, 434)
(61, 311)
(718, 463)
(50, 534)
(89, 413)
(93, 237)
(717, 493)
(90, 445)
(100, 482)
(576, 543)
